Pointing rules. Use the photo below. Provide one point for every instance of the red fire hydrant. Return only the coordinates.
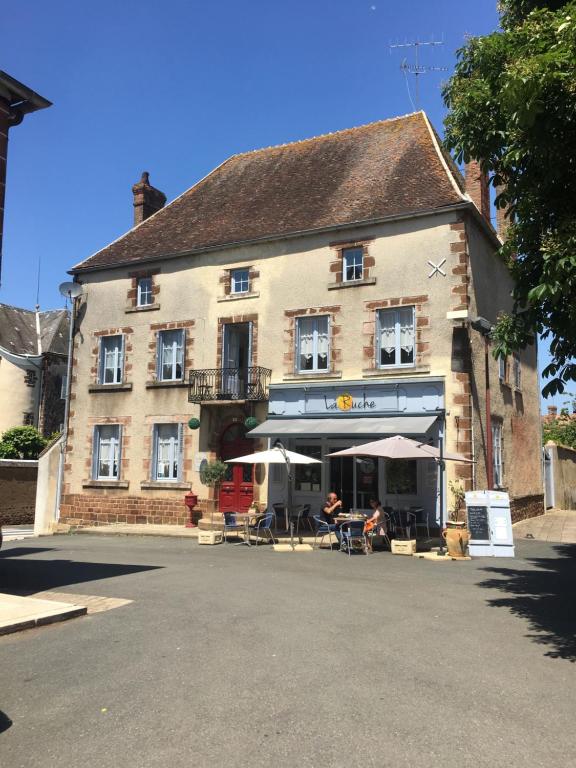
(191, 499)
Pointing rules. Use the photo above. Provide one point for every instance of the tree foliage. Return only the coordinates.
(512, 102)
(561, 430)
(22, 443)
(213, 472)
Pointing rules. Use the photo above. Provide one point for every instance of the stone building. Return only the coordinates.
(33, 359)
(321, 290)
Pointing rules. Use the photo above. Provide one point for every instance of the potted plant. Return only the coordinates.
(211, 475)
(456, 533)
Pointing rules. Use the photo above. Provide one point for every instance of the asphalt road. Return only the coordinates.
(238, 657)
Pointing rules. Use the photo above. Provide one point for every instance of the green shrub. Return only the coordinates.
(21, 443)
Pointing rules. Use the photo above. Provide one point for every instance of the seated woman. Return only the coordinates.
(377, 523)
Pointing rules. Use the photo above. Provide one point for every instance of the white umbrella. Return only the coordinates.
(274, 456)
(277, 455)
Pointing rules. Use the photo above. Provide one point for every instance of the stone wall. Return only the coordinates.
(524, 507)
(102, 509)
(17, 491)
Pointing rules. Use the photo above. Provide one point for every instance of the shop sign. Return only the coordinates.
(346, 402)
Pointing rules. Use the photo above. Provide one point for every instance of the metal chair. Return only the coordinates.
(323, 529)
(279, 513)
(263, 526)
(352, 534)
(422, 519)
(302, 515)
(231, 524)
(381, 530)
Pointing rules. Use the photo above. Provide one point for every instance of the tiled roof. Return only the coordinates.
(384, 169)
(18, 330)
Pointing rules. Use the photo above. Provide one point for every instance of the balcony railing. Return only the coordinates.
(207, 384)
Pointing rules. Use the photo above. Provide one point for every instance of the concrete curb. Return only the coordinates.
(18, 613)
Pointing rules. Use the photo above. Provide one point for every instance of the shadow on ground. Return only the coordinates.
(23, 551)
(5, 722)
(19, 576)
(544, 596)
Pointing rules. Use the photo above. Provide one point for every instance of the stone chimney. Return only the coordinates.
(477, 187)
(147, 199)
(552, 411)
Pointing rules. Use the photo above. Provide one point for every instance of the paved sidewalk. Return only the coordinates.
(18, 612)
(132, 529)
(555, 526)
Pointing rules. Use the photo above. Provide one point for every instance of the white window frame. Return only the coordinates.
(64, 386)
(178, 354)
(240, 280)
(173, 444)
(315, 336)
(115, 450)
(497, 454)
(352, 253)
(117, 356)
(516, 371)
(398, 346)
(144, 296)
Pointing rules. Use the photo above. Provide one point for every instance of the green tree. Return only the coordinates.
(512, 102)
(21, 443)
(561, 431)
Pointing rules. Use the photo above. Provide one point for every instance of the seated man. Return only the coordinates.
(331, 507)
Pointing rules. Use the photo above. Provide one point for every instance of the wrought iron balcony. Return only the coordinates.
(208, 384)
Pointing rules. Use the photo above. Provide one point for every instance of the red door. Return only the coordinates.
(237, 490)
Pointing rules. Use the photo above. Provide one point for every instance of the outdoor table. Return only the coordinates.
(245, 521)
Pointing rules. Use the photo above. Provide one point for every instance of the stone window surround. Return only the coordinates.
(155, 328)
(147, 460)
(96, 421)
(335, 329)
(232, 319)
(337, 265)
(132, 295)
(95, 386)
(422, 335)
(226, 282)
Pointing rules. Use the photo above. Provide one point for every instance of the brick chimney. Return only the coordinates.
(477, 187)
(147, 199)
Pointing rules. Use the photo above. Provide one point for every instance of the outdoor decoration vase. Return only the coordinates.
(457, 537)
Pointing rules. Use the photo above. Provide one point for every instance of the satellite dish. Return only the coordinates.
(70, 290)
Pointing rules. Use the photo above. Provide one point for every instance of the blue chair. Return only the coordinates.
(231, 525)
(263, 526)
(353, 537)
(323, 529)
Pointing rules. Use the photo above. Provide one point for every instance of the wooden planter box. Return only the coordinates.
(403, 547)
(209, 537)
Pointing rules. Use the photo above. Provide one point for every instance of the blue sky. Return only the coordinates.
(175, 87)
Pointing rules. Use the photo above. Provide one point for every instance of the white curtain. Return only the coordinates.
(306, 337)
(406, 317)
(323, 343)
(388, 332)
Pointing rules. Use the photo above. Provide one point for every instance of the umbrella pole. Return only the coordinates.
(441, 466)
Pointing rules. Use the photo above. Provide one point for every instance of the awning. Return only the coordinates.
(365, 427)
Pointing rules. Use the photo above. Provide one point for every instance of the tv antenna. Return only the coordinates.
(416, 68)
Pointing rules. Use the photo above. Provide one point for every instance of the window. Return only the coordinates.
(28, 419)
(395, 337)
(517, 371)
(497, 458)
(240, 282)
(144, 292)
(402, 477)
(111, 360)
(64, 386)
(171, 355)
(308, 477)
(107, 452)
(352, 264)
(167, 449)
(502, 369)
(312, 344)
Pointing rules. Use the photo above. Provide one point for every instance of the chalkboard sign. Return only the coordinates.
(478, 523)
